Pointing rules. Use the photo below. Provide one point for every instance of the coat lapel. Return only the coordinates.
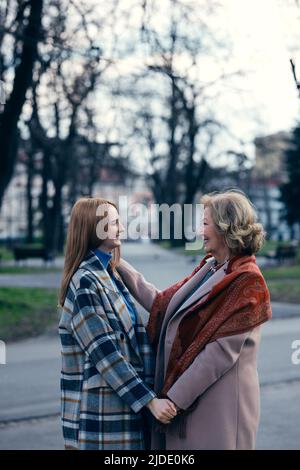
(125, 316)
(173, 317)
(201, 293)
(94, 265)
(186, 288)
(205, 288)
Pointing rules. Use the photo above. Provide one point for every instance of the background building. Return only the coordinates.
(267, 176)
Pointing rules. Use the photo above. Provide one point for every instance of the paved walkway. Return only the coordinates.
(29, 392)
(29, 382)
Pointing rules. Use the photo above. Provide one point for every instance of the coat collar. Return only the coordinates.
(205, 288)
(103, 257)
(186, 288)
(93, 264)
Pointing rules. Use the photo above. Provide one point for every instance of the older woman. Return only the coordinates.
(206, 332)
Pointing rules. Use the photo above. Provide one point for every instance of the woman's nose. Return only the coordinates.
(121, 227)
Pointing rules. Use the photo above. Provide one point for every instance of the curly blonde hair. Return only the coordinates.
(236, 220)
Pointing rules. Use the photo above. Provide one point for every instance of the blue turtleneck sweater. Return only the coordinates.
(104, 259)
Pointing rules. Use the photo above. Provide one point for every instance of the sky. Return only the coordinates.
(265, 34)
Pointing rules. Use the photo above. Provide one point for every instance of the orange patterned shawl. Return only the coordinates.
(238, 303)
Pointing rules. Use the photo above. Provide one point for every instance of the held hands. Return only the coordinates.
(162, 409)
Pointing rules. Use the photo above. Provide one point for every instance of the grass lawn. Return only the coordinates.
(285, 290)
(283, 283)
(6, 254)
(282, 272)
(26, 312)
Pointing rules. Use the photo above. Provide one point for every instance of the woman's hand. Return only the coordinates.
(143, 291)
(162, 409)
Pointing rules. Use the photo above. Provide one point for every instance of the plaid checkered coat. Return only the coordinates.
(107, 364)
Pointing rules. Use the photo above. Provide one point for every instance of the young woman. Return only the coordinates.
(107, 362)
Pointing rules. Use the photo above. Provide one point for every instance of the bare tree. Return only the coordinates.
(174, 113)
(26, 29)
(188, 116)
(297, 82)
(67, 136)
(60, 156)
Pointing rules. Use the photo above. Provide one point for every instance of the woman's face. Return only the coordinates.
(113, 230)
(213, 241)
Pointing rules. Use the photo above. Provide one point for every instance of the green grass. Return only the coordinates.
(26, 312)
(283, 283)
(6, 254)
(282, 272)
(286, 290)
(269, 245)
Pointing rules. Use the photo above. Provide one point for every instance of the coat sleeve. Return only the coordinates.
(143, 291)
(217, 358)
(95, 336)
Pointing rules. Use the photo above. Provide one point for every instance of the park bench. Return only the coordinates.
(25, 252)
(283, 253)
(286, 252)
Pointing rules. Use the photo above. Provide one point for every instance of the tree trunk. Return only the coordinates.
(46, 225)
(13, 108)
(56, 220)
(29, 199)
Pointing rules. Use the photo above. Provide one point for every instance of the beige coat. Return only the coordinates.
(222, 380)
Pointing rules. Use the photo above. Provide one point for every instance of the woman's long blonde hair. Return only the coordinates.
(81, 237)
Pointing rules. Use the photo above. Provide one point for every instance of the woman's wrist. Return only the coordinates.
(150, 403)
